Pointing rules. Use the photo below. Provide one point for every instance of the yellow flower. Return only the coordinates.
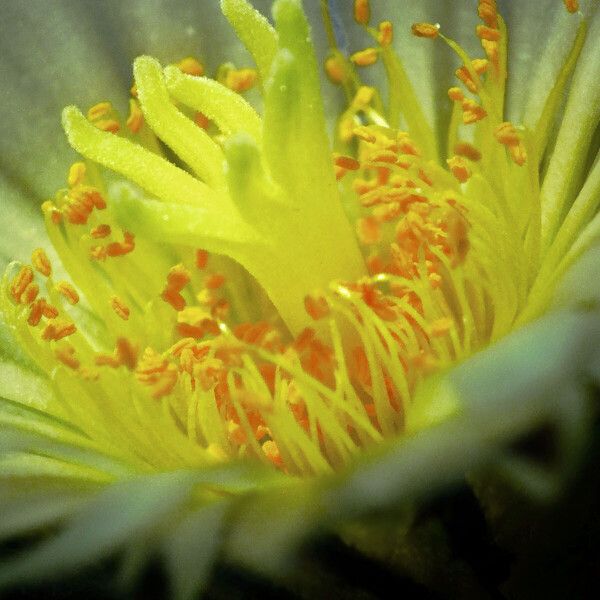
(240, 314)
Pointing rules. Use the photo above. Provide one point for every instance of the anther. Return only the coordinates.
(30, 294)
(426, 30)
(240, 80)
(571, 5)
(101, 231)
(201, 120)
(316, 306)
(385, 34)
(190, 66)
(362, 11)
(41, 263)
(108, 125)
(480, 65)
(365, 58)
(20, 282)
(99, 111)
(58, 329)
(135, 120)
(201, 258)
(335, 69)
(51, 211)
(368, 230)
(455, 94)
(121, 309)
(177, 278)
(214, 282)
(472, 112)
(363, 97)
(76, 174)
(459, 168)
(346, 162)
(464, 75)
(66, 355)
(68, 291)
(487, 33)
(467, 150)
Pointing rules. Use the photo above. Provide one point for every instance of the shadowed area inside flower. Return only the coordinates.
(237, 289)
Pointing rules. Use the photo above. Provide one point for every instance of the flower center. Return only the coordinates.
(264, 297)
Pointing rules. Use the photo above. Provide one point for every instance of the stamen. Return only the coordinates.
(487, 33)
(459, 168)
(66, 355)
(177, 278)
(136, 117)
(467, 150)
(19, 284)
(190, 66)
(366, 57)
(101, 231)
(571, 5)
(76, 175)
(385, 33)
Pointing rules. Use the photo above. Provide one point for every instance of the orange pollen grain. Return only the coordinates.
(426, 30)
(362, 11)
(121, 309)
(68, 291)
(58, 329)
(487, 33)
(41, 263)
(365, 58)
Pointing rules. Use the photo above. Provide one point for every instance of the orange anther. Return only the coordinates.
(455, 94)
(214, 282)
(363, 97)
(40, 262)
(121, 248)
(190, 66)
(240, 80)
(480, 65)
(121, 309)
(98, 111)
(365, 134)
(467, 150)
(30, 293)
(316, 306)
(346, 162)
(108, 125)
(52, 212)
(368, 230)
(487, 33)
(459, 168)
(135, 120)
(362, 11)
(518, 153)
(66, 355)
(464, 75)
(68, 291)
(126, 353)
(178, 277)
(472, 112)
(58, 329)
(426, 30)
(335, 69)
(48, 310)
(35, 313)
(506, 134)
(366, 57)
(201, 120)
(571, 5)
(272, 453)
(20, 282)
(201, 258)
(488, 14)
(385, 34)
(76, 174)
(101, 231)
(133, 91)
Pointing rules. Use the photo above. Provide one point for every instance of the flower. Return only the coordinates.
(253, 315)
